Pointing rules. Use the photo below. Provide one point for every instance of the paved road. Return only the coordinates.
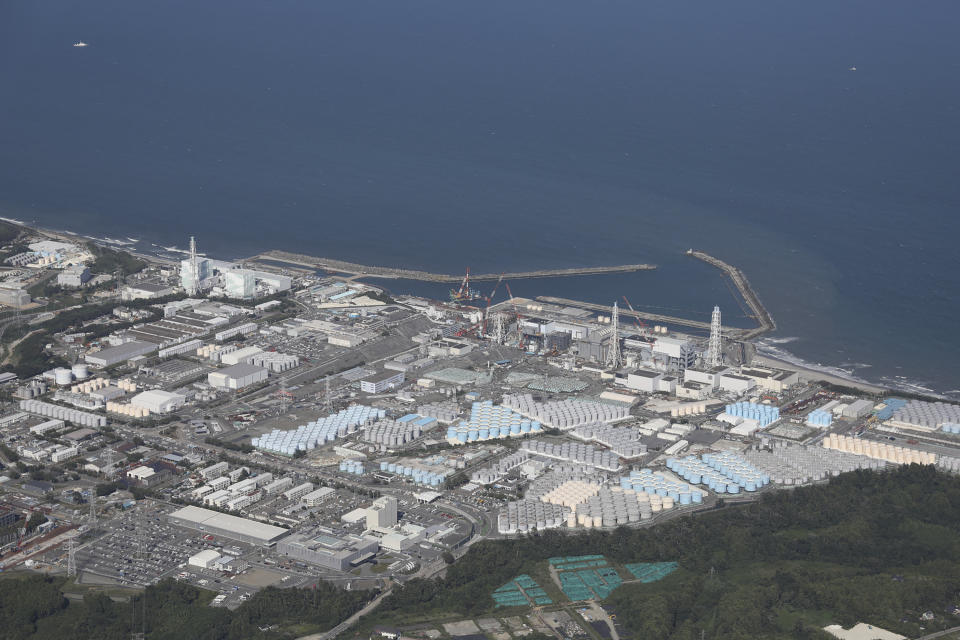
(939, 634)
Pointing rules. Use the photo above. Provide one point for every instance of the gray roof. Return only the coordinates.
(222, 521)
(123, 352)
(240, 370)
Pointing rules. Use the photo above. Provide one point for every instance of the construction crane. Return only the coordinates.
(641, 325)
(464, 293)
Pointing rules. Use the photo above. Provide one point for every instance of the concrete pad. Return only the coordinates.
(462, 628)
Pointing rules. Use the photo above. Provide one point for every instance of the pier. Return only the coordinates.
(764, 320)
(352, 268)
(652, 317)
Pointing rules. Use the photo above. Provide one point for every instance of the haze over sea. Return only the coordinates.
(521, 135)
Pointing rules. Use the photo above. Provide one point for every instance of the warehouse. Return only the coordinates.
(329, 551)
(205, 559)
(240, 355)
(157, 401)
(769, 379)
(226, 526)
(116, 355)
(237, 377)
(75, 276)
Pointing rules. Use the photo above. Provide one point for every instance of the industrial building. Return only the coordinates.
(14, 297)
(276, 362)
(769, 379)
(240, 356)
(75, 276)
(382, 381)
(382, 513)
(326, 550)
(705, 376)
(205, 559)
(237, 376)
(158, 401)
(226, 526)
(48, 410)
(145, 291)
(115, 355)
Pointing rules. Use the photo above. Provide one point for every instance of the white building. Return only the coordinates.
(240, 355)
(674, 353)
(298, 491)
(145, 291)
(158, 401)
(734, 383)
(382, 513)
(240, 283)
(214, 470)
(641, 380)
(382, 382)
(314, 498)
(237, 376)
(205, 559)
(64, 454)
(709, 377)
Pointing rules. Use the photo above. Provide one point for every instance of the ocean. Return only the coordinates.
(813, 144)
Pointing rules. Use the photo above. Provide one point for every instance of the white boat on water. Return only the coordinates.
(80, 44)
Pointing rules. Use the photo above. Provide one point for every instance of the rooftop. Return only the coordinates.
(205, 518)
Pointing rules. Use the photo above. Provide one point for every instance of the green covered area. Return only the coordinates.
(588, 584)
(520, 592)
(578, 562)
(877, 547)
(586, 577)
(651, 571)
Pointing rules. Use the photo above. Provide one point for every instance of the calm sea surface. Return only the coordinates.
(520, 135)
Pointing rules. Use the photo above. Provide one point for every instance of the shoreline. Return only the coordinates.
(808, 371)
(812, 373)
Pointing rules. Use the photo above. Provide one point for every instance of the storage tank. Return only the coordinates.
(62, 376)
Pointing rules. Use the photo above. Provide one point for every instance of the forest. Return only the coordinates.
(882, 548)
(35, 608)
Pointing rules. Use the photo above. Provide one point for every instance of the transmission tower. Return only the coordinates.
(18, 322)
(93, 510)
(326, 393)
(284, 395)
(118, 276)
(194, 269)
(72, 557)
(714, 349)
(614, 355)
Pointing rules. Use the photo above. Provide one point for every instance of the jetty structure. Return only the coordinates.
(765, 322)
(353, 268)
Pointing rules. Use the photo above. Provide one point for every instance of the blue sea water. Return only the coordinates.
(519, 135)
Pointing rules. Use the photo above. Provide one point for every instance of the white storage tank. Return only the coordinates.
(62, 376)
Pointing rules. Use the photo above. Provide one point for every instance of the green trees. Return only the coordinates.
(34, 608)
(759, 570)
